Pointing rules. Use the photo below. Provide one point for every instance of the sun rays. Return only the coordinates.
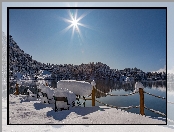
(75, 23)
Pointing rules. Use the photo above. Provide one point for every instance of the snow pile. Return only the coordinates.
(77, 87)
(49, 91)
(93, 83)
(137, 86)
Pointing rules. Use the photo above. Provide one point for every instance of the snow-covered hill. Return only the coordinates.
(21, 64)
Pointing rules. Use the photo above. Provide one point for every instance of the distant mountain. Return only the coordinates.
(21, 65)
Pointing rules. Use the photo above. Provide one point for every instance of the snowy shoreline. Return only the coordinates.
(34, 112)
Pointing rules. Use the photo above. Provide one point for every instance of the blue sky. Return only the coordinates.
(119, 38)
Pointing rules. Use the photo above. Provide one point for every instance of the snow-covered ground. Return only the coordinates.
(104, 114)
(34, 112)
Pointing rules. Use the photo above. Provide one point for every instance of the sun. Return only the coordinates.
(75, 22)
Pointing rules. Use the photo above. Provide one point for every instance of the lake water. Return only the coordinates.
(156, 88)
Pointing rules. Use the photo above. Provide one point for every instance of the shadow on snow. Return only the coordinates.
(61, 115)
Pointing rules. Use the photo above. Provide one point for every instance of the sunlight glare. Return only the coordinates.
(74, 23)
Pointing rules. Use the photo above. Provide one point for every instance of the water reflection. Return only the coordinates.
(108, 86)
(118, 88)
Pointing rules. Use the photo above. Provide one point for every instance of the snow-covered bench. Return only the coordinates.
(63, 98)
(65, 94)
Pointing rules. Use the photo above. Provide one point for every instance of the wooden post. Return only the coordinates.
(141, 92)
(17, 89)
(93, 96)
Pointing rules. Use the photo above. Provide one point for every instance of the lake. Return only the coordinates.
(111, 87)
